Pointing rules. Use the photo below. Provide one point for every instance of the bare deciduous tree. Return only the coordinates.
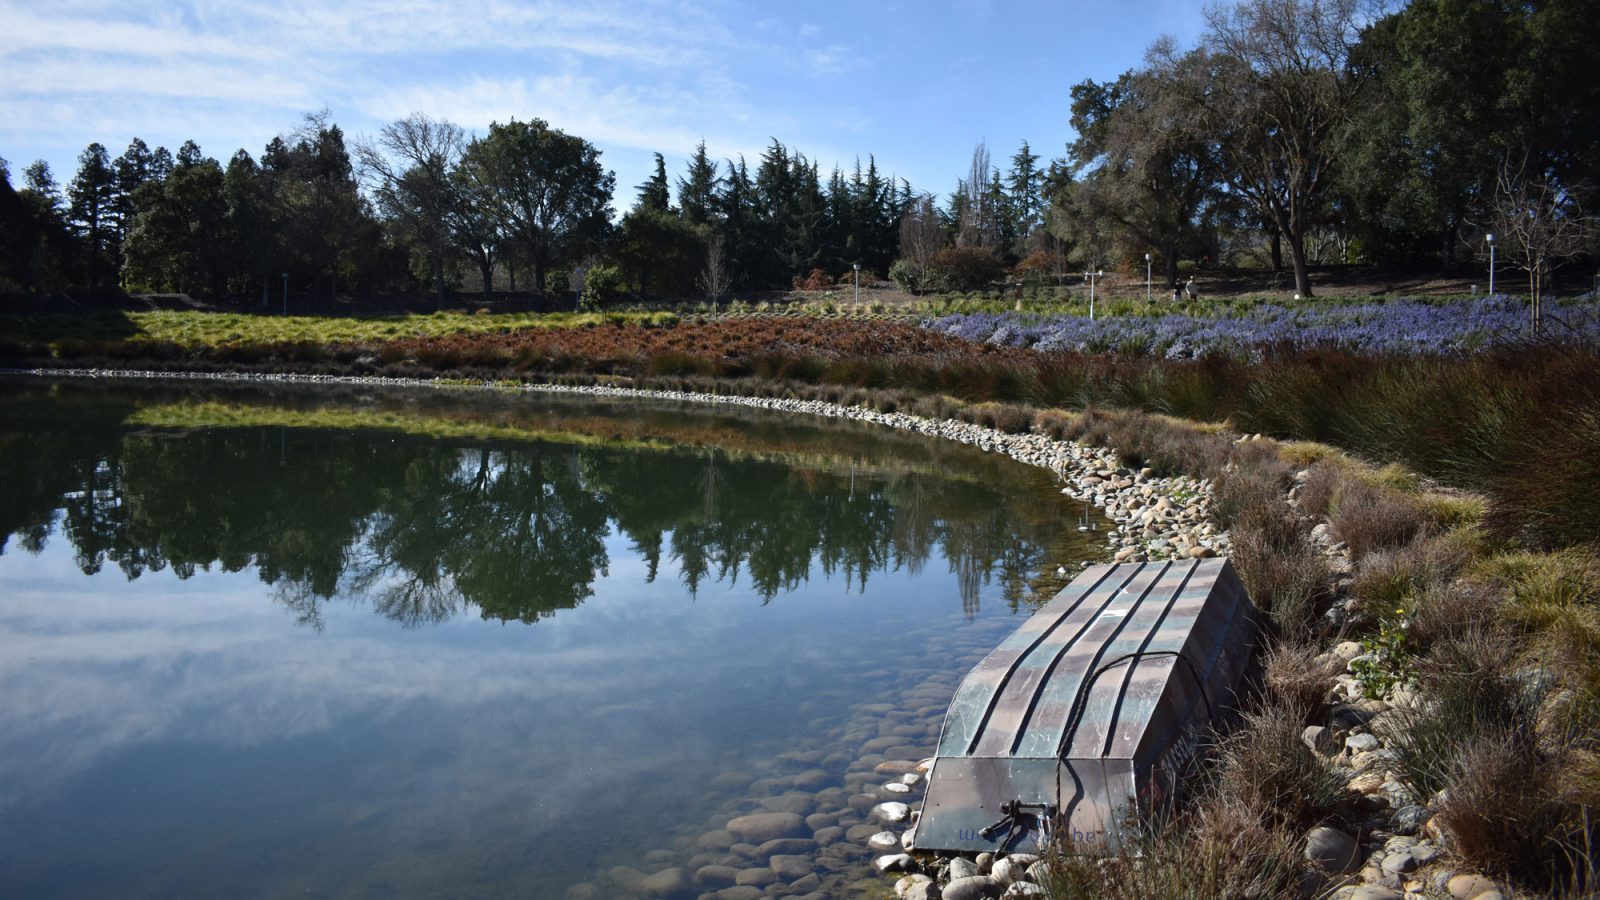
(922, 236)
(714, 279)
(977, 227)
(1541, 225)
(408, 170)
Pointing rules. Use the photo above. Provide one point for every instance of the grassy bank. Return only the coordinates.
(88, 331)
(1502, 642)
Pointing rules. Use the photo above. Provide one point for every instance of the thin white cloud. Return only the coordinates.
(654, 75)
(646, 118)
(648, 33)
(89, 79)
(835, 59)
(33, 31)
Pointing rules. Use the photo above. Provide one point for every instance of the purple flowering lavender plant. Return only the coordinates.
(1403, 326)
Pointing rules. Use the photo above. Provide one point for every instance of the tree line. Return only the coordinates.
(1295, 133)
(426, 206)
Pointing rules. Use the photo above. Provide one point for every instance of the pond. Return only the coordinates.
(346, 641)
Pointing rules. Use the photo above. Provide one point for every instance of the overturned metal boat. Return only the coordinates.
(1094, 705)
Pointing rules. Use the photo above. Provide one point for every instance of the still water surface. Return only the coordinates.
(338, 642)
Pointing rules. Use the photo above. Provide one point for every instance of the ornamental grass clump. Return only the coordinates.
(1505, 755)
(1298, 673)
(1214, 849)
(1006, 417)
(1269, 770)
(1166, 446)
(1545, 495)
(1395, 578)
(1512, 811)
(1285, 573)
(1553, 602)
(1370, 518)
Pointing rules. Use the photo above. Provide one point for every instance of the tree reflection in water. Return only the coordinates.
(426, 528)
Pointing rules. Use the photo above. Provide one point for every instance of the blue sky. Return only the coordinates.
(915, 83)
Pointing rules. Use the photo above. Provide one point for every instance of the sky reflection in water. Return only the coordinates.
(369, 661)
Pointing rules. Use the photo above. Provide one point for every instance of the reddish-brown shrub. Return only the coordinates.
(1369, 518)
(816, 280)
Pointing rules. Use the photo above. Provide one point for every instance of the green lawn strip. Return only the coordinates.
(200, 329)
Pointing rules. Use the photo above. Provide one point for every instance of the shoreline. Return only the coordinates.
(1150, 517)
(1385, 837)
(1153, 517)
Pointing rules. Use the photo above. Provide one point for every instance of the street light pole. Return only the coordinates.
(1490, 238)
(286, 293)
(1147, 278)
(1090, 277)
(858, 287)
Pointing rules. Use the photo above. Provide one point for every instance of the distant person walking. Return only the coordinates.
(1189, 292)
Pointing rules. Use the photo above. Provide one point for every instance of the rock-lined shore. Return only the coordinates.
(1400, 851)
(837, 819)
(825, 823)
(1153, 518)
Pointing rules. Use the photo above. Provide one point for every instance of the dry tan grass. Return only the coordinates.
(1299, 674)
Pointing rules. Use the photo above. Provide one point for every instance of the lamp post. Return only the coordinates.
(1090, 277)
(1147, 278)
(858, 287)
(1490, 238)
(286, 293)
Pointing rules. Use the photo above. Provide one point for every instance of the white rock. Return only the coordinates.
(897, 787)
(1319, 738)
(1403, 698)
(974, 888)
(961, 867)
(891, 812)
(1361, 743)
(893, 862)
(884, 840)
(1468, 886)
(1347, 650)
(1008, 870)
(1399, 863)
